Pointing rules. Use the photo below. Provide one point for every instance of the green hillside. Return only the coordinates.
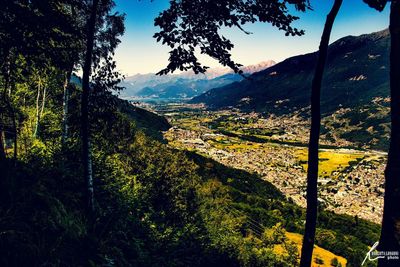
(150, 123)
(88, 179)
(155, 206)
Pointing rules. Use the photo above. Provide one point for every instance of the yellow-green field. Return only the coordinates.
(329, 161)
(320, 253)
(233, 144)
(191, 123)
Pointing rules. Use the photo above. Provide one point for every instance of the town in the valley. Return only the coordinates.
(275, 147)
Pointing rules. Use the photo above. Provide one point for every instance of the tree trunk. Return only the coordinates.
(15, 154)
(14, 122)
(86, 153)
(37, 109)
(12, 110)
(390, 233)
(312, 172)
(43, 102)
(6, 71)
(6, 77)
(64, 135)
(68, 74)
(2, 151)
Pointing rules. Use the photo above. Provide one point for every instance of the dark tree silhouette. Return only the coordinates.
(103, 29)
(66, 95)
(2, 152)
(313, 159)
(87, 67)
(390, 233)
(73, 58)
(189, 25)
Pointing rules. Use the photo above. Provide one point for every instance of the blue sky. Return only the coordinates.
(139, 52)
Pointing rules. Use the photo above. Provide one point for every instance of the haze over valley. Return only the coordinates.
(185, 85)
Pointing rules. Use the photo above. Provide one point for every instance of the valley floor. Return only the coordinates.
(275, 147)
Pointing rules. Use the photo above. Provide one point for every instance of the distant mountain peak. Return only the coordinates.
(258, 67)
(211, 72)
(185, 83)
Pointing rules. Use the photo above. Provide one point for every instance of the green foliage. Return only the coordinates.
(155, 206)
(335, 262)
(318, 261)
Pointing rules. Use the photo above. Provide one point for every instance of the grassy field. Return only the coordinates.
(236, 138)
(319, 253)
(330, 161)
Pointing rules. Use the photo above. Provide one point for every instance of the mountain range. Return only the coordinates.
(356, 72)
(355, 91)
(184, 85)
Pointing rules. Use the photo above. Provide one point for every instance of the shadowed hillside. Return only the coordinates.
(357, 71)
(355, 90)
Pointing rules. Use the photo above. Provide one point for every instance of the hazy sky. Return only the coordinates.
(139, 52)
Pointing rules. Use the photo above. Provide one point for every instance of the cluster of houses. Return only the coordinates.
(356, 190)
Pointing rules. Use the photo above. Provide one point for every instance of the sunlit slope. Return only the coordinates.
(318, 253)
(331, 162)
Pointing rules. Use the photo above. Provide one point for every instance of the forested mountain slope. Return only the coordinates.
(357, 71)
(355, 92)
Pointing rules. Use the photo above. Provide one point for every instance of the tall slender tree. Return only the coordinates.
(87, 68)
(2, 151)
(103, 29)
(313, 145)
(66, 96)
(39, 91)
(390, 233)
(72, 58)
